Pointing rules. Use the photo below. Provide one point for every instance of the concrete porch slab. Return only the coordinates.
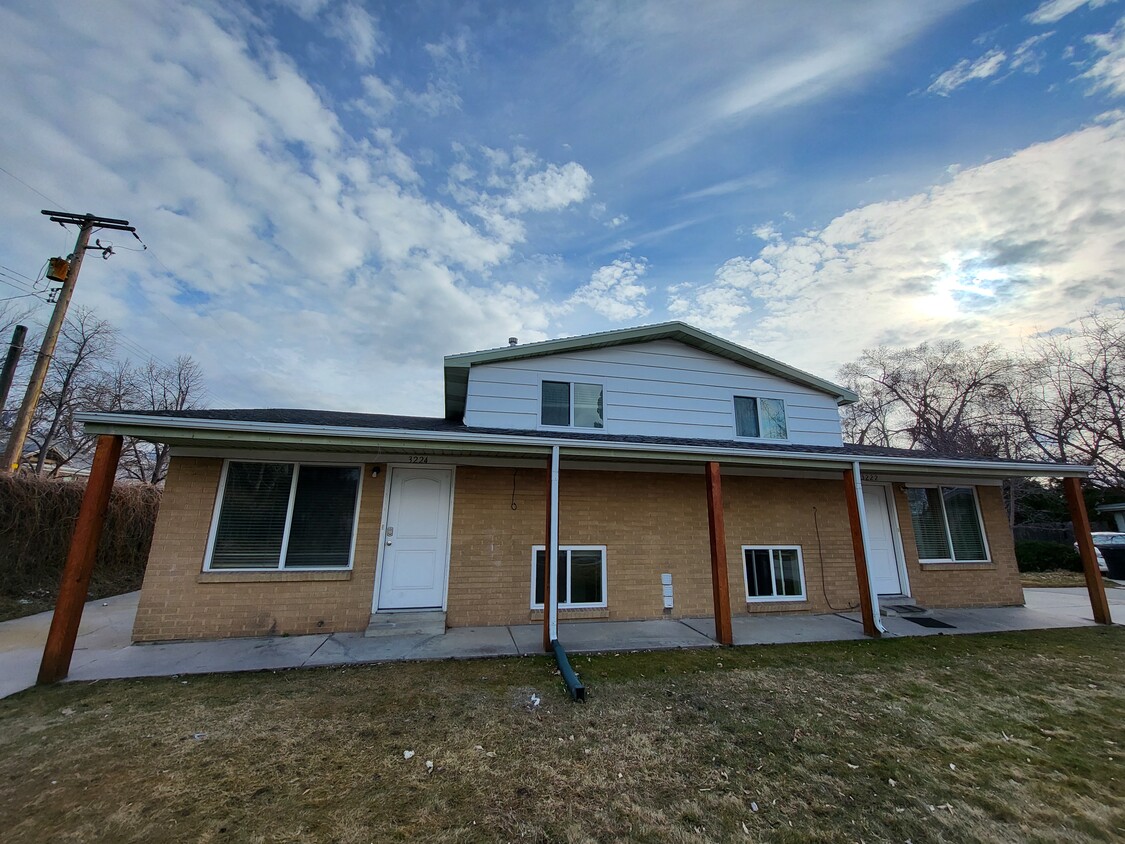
(591, 636)
(783, 629)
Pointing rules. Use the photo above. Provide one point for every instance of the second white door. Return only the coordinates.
(416, 540)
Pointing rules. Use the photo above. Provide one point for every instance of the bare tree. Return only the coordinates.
(1070, 400)
(82, 356)
(154, 386)
(935, 396)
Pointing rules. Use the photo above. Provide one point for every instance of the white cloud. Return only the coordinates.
(996, 253)
(615, 291)
(358, 29)
(296, 248)
(1055, 10)
(1027, 57)
(379, 98)
(966, 71)
(1109, 71)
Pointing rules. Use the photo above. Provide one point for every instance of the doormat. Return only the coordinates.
(928, 622)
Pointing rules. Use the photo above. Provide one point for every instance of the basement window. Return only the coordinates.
(581, 576)
(285, 516)
(756, 417)
(947, 524)
(773, 573)
(572, 405)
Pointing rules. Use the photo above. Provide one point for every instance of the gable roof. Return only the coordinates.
(457, 366)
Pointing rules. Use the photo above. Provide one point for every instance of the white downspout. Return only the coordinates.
(856, 478)
(553, 548)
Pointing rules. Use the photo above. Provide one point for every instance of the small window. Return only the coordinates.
(773, 573)
(285, 515)
(760, 418)
(947, 524)
(580, 576)
(572, 404)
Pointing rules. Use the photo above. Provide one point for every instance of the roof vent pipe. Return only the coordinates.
(513, 341)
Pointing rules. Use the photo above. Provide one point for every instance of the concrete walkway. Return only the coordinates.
(103, 650)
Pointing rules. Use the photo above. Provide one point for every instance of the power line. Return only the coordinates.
(17, 272)
(12, 175)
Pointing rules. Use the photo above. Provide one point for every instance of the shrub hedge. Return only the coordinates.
(37, 517)
(1037, 555)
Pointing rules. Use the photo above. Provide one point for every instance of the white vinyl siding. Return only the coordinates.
(658, 388)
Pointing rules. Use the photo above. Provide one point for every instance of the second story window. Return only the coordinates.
(572, 404)
(760, 418)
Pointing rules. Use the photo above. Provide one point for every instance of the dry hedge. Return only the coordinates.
(37, 517)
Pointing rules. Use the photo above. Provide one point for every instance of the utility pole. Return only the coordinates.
(86, 223)
(10, 362)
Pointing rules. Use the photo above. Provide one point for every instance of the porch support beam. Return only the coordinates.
(720, 585)
(853, 493)
(1098, 601)
(74, 586)
(551, 555)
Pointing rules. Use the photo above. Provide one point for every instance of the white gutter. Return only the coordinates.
(553, 549)
(113, 420)
(857, 480)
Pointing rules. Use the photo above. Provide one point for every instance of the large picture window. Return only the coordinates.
(773, 573)
(581, 576)
(572, 405)
(284, 516)
(947, 524)
(760, 418)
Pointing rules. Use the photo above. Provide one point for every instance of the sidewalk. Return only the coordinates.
(103, 650)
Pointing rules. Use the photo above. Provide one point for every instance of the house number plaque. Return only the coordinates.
(418, 458)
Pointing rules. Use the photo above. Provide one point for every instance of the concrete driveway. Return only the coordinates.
(103, 650)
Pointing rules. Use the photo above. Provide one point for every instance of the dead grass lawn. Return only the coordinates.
(1014, 737)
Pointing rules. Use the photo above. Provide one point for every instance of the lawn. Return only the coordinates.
(1012, 737)
(1056, 579)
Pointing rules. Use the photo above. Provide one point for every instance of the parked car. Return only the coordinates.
(1111, 541)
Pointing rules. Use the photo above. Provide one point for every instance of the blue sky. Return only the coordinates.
(336, 194)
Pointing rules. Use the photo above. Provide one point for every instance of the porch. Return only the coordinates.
(104, 650)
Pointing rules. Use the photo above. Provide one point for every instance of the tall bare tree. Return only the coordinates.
(936, 396)
(154, 386)
(81, 360)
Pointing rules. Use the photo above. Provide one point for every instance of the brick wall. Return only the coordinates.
(650, 523)
(180, 601)
(996, 583)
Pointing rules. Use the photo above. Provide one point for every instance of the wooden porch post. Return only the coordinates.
(1098, 602)
(865, 606)
(75, 583)
(720, 586)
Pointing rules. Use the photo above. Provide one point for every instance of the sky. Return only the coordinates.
(335, 194)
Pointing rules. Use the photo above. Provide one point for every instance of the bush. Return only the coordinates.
(1036, 555)
(37, 517)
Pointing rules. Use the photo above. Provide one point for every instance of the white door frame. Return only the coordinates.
(896, 533)
(452, 469)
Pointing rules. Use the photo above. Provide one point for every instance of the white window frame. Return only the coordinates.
(296, 464)
(535, 549)
(562, 379)
(771, 599)
(945, 524)
(758, 401)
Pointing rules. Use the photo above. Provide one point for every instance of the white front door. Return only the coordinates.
(883, 564)
(416, 540)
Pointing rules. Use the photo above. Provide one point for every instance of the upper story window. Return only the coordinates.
(759, 417)
(572, 404)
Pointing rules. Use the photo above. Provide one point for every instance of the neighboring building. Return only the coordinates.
(301, 521)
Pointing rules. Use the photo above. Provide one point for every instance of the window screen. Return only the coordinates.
(252, 518)
(588, 406)
(581, 573)
(773, 573)
(945, 515)
(758, 417)
(964, 526)
(556, 403)
(746, 417)
(929, 525)
(323, 517)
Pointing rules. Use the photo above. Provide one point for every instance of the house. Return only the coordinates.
(677, 474)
